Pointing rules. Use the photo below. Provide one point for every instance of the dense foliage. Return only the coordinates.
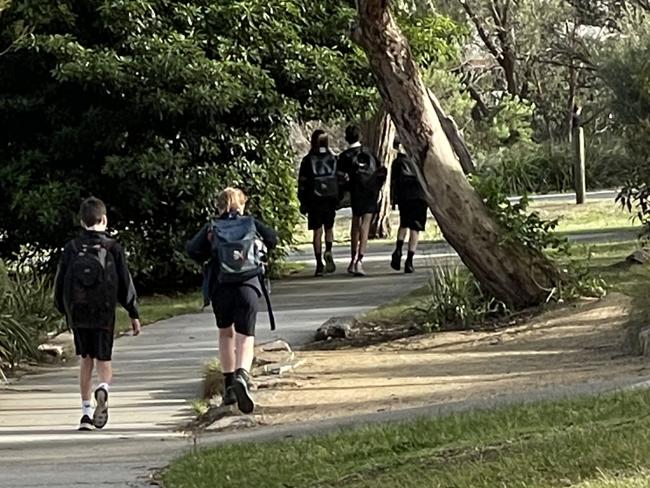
(27, 314)
(154, 105)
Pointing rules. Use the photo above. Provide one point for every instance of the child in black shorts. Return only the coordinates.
(91, 279)
(408, 194)
(318, 192)
(235, 303)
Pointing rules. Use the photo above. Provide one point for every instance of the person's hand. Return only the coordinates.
(135, 325)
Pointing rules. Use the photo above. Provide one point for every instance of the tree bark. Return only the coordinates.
(512, 272)
(379, 136)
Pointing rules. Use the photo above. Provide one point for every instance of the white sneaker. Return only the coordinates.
(358, 269)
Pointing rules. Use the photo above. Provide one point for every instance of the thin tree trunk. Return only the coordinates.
(379, 137)
(512, 272)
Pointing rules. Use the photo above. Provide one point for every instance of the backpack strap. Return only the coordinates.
(265, 292)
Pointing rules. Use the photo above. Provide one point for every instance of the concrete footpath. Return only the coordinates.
(158, 374)
(156, 377)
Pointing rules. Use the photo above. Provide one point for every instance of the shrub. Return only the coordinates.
(456, 301)
(27, 314)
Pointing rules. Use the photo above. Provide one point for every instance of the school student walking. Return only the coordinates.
(318, 193)
(92, 278)
(408, 194)
(231, 244)
(365, 176)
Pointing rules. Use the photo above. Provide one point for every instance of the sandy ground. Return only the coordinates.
(573, 345)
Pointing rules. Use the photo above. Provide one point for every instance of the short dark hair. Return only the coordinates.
(91, 211)
(319, 140)
(352, 134)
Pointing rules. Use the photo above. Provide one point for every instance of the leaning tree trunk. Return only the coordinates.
(512, 272)
(379, 136)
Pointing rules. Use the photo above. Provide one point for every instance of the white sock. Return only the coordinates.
(105, 386)
(87, 408)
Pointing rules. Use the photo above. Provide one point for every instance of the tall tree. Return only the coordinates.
(513, 272)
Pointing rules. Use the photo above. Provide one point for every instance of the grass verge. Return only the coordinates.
(596, 442)
(160, 307)
(595, 215)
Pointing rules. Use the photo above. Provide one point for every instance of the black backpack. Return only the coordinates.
(365, 166)
(326, 183)
(234, 245)
(239, 255)
(91, 285)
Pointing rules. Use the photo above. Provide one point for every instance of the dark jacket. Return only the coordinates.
(306, 196)
(126, 294)
(358, 191)
(199, 249)
(405, 185)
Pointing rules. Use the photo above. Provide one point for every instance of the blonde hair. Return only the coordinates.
(231, 200)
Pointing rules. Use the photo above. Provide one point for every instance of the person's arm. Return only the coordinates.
(199, 248)
(393, 181)
(303, 184)
(269, 236)
(59, 280)
(126, 294)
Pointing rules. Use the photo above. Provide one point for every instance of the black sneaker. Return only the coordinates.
(229, 397)
(245, 401)
(320, 270)
(396, 261)
(408, 267)
(86, 423)
(330, 265)
(100, 417)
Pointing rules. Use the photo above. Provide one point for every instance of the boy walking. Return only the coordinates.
(408, 194)
(318, 192)
(365, 176)
(91, 279)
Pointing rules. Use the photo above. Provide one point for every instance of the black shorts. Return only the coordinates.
(363, 207)
(93, 343)
(321, 217)
(236, 305)
(413, 214)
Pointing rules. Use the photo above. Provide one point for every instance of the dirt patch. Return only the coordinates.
(576, 344)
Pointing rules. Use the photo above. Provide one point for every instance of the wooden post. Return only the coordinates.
(580, 181)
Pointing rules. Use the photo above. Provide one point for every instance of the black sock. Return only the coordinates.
(229, 379)
(328, 246)
(410, 256)
(319, 259)
(399, 246)
(360, 258)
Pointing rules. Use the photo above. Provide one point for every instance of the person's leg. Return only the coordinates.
(104, 341)
(318, 250)
(354, 241)
(227, 354)
(86, 378)
(104, 373)
(396, 258)
(245, 347)
(413, 245)
(245, 321)
(83, 349)
(330, 265)
(227, 360)
(86, 389)
(364, 230)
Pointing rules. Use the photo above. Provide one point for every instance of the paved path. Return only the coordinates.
(157, 374)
